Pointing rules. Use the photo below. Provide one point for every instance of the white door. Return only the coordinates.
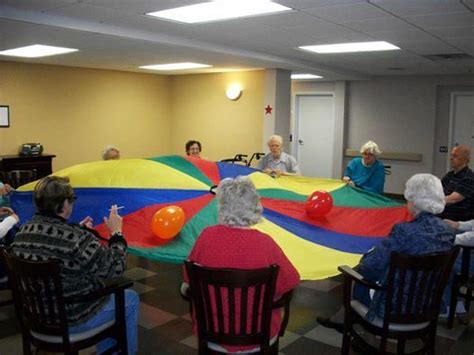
(462, 120)
(315, 134)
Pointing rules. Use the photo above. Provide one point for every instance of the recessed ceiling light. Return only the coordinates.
(36, 50)
(219, 10)
(304, 76)
(175, 66)
(352, 47)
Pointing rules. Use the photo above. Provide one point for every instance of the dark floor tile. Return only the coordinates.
(164, 340)
(166, 299)
(308, 346)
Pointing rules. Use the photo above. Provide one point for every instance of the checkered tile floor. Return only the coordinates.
(165, 325)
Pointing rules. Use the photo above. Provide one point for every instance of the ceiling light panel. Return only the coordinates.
(351, 47)
(36, 51)
(175, 66)
(305, 76)
(219, 10)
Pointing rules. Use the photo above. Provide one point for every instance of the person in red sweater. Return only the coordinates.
(234, 244)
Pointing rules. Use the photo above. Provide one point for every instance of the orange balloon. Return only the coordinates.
(167, 222)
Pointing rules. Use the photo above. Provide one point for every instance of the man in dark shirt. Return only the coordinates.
(458, 186)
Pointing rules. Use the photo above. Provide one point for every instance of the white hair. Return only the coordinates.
(275, 137)
(426, 193)
(107, 149)
(371, 148)
(238, 202)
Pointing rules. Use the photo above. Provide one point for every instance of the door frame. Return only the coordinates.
(295, 116)
(452, 99)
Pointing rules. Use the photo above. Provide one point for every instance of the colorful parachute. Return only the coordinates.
(358, 221)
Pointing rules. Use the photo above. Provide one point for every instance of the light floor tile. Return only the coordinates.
(325, 335)
(151, 317)
(138, 273)
(140, 288)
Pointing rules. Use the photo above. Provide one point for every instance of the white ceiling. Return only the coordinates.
(115, 34)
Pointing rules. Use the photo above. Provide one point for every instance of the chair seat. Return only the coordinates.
(72, 337)
(220, 349)
(362, 310)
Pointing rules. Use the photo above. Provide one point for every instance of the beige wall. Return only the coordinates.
(201, 111)
(75, 112)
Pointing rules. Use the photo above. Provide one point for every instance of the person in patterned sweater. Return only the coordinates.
(85, 263)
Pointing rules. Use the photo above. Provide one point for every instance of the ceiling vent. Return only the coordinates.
(448, 57)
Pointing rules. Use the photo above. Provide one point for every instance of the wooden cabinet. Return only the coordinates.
(42, 163)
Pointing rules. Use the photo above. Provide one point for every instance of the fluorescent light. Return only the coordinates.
(352, 47)
(36, 50)
(304, 76)
(175, 66)
(219, 10)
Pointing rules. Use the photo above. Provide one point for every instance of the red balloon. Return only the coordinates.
(319, 204)
(167, 222)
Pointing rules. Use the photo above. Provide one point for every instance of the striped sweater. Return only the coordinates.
(84, 262)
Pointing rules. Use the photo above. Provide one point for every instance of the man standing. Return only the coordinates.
(277, 162)
(458, 186)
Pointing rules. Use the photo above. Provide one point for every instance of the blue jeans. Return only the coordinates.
(456, 269)
(107, 313)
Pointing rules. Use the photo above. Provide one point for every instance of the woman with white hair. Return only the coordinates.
(368, 172)
(234, 244)
(426, 233)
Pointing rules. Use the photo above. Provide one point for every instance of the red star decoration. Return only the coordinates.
(268, 110)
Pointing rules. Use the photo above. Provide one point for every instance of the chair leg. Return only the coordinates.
(430, 341)
(452, 306)
(401, 346)
(26, 344)
(346, 341)
(383, 345)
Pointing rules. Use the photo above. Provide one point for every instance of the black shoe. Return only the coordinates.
(328, 323)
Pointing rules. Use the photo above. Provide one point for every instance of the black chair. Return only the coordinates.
(463, 285)
(238, 158)
(233, 307)
(412, 294)
(40, 306)
(387, 169)
(17, 178)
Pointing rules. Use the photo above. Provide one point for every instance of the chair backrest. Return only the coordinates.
(38, 295)
(17, 178)
(233, 306)
(238, 158)
(415, 286)
(255, 156)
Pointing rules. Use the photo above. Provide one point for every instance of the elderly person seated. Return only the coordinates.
(193, 149)
(426, 233)
(233, 244)
(277, 162)
(458, 185)
(367, 172)
(111, 153)
(5, 191)
(85, 261)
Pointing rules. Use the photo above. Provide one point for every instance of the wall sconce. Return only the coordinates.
(234, 92)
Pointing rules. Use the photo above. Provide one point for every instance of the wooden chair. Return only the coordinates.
(40, 306)
(412, 294)
(233, 307)
(17, 178)
(463, 285)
